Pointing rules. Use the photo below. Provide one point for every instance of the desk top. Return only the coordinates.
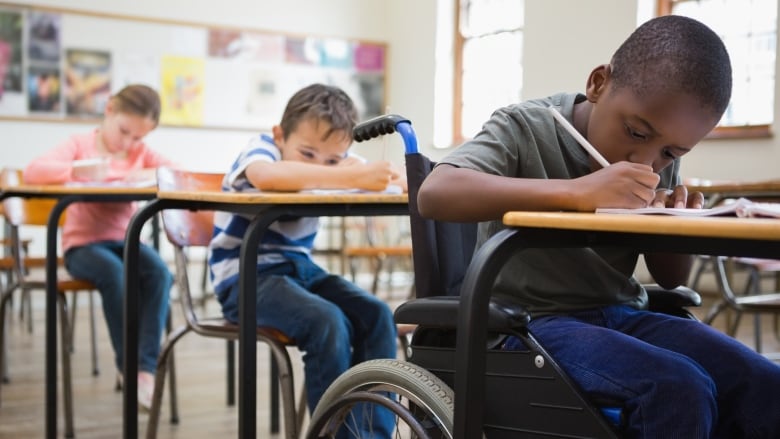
(66, 189)
(733, 186)
(714, 227)
(283, 197)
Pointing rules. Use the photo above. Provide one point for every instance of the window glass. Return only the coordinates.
(491, 57)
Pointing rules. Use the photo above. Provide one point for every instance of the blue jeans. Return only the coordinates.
(334, 322)
(101, 263)
(676, 378)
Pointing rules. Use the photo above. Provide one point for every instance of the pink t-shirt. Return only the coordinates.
(91, 222)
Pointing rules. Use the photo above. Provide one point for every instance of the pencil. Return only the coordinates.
(577, 136)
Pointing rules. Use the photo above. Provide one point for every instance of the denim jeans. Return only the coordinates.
(676, 378)
(334, 322)
(101, 263)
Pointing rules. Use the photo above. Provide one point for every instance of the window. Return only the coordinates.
(488, 61)
(748, 29)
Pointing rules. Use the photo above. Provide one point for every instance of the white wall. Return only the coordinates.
(202, 149)
(564, 40)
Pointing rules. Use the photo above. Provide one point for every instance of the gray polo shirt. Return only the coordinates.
(524, 141)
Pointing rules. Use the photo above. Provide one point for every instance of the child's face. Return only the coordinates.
(306, 143)
(122, 131)
(652, 130)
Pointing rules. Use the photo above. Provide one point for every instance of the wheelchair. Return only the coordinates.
(516, 393)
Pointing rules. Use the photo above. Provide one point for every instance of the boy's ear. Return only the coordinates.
(278, 134)
(597, 82)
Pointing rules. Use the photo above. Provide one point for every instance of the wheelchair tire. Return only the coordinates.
(423, 405)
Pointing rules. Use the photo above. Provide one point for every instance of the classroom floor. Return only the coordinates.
(200, 366)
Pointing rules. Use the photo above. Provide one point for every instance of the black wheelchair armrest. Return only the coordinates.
(442, 312)
(662, 299)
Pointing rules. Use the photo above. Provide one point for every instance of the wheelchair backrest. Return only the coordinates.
(441, 251)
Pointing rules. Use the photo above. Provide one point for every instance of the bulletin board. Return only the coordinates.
(59, 64)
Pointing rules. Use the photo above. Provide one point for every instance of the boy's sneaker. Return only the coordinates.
(145, 390)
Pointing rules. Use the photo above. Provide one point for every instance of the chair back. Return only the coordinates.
(19, 211)
(441, 251)
(187, 228)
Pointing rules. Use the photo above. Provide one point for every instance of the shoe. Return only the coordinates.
(145, 390)
(119, 382)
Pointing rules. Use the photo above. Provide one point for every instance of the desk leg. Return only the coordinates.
(247, 322)
(132, 285)
(51, 316)
(247, 337)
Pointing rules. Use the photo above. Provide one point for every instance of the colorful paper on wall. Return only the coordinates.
(181, 92)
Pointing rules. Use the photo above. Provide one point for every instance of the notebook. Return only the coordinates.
(742, 207)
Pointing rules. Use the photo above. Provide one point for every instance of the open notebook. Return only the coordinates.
(741, 208)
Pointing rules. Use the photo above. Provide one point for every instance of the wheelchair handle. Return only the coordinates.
(387, 124)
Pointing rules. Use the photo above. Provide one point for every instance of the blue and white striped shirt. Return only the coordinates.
(283, 239)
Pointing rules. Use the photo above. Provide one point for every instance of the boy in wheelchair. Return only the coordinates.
(664, 89)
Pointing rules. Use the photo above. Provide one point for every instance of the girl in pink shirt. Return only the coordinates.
(93, 234)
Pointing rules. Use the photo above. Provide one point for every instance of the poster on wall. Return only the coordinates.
(44, 38)
(59, 64)
(44, 84)
(11, 74)
(181, 91)
(87, 82)
(44, 90)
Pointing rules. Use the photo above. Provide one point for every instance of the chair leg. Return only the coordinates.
(4, 299)
(273, 387)
(281, 358)
(302, 408)
(714, 311)
(93, 334)
(67, 378)
(27, 304)
(159, 380)
(380, 261)
(72, 333)
(174, 399)
(230, 362)
(703, 262)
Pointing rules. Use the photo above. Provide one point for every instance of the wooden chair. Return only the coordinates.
(6, 269)
(19, 213)
(382, 252)
(193, 229)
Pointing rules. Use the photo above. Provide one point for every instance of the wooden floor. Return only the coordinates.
(201, 378)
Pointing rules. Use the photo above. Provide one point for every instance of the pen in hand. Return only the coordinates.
(580, 139)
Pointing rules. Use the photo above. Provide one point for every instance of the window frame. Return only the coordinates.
(664, 7)
(459, 43)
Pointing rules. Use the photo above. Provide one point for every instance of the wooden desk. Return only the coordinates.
(266, 209)
(717, 190)
(65, 195)
(646, 233)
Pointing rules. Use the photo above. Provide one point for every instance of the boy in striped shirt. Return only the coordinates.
(336, 323)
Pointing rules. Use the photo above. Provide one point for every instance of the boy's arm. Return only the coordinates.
(457, 194)
(286, 175)
(671, 270)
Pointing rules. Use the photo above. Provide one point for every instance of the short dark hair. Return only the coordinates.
(321, 103)
(140, 100)
(673, 53)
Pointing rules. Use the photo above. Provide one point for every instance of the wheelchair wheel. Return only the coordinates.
(422, 405)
